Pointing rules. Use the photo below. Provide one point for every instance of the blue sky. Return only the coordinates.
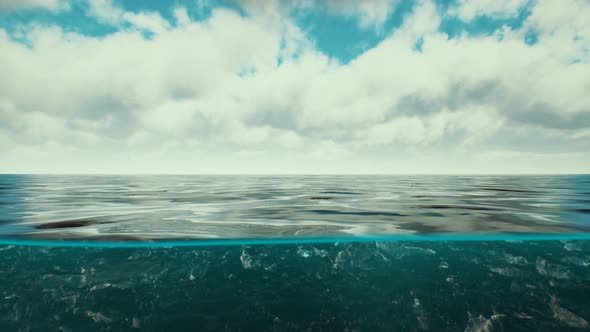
(337, 34)
(374, 86)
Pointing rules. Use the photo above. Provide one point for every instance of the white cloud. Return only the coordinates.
(563, 23)
(149, 22)
(424, 20)
(105, 11)
(18, 5)
(467, 10)
(181, 16)
(370, 13)
(199, 97)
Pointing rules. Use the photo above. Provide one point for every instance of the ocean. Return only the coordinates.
(294, 253)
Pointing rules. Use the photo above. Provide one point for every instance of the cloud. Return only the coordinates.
(19, 5)
(199, 97)
(467, 10)
(563, 24)
(106, 12)
(370, 13)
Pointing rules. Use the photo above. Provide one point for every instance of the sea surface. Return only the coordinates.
(294, 253)
(254, 207)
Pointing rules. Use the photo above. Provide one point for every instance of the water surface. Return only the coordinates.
(294, 253)
(128, 208)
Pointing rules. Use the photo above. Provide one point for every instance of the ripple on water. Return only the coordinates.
(135, 208)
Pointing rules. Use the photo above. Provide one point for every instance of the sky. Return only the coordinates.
(301, 86)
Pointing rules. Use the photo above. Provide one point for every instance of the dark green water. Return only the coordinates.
(371, 286)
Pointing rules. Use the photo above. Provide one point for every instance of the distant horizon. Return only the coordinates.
(305, 174)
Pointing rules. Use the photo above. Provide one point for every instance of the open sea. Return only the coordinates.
(294, 253)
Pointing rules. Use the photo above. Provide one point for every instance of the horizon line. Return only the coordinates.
(170, 243)
(302, 173)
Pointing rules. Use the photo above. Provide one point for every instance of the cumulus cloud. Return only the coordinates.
(467, 10)
(563, 28)
(370, 13)
(212, 96)
(19, 5)
(106, 12)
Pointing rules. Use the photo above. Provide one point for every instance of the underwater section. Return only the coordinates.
(369, 286)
